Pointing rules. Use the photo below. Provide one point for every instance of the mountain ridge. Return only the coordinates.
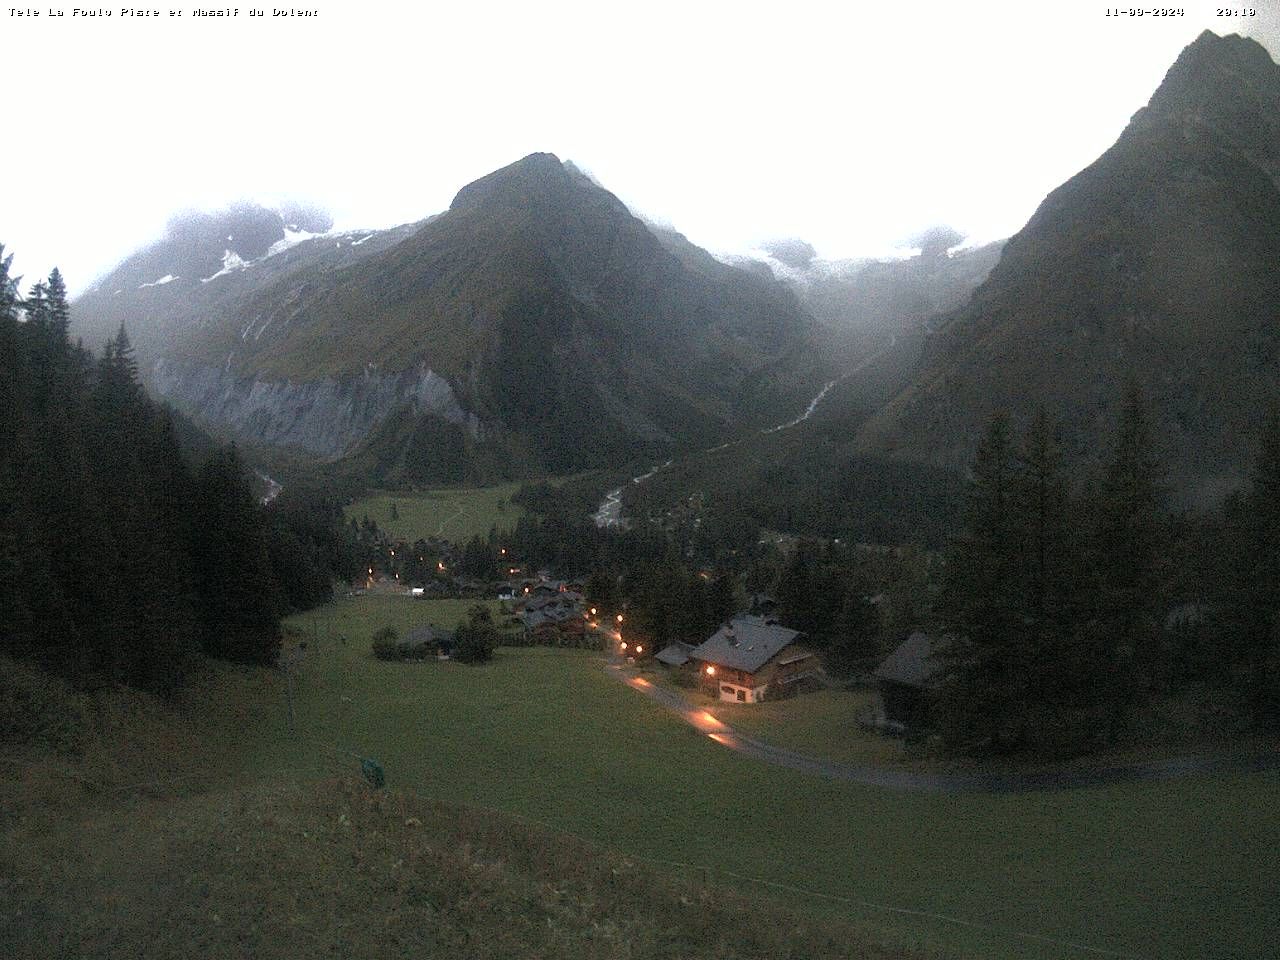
(536, 315)
(1154, 263)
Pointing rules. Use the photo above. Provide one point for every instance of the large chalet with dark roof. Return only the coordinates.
(549, 611)
(749, 656)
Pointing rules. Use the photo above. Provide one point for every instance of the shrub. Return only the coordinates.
(386, 644)
(471, 645)
(475, 640)
(686, 679)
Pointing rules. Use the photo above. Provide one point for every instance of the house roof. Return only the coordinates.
(745, 643)
(533, 618)
(913, 664)
(428, 634)
(674, 654)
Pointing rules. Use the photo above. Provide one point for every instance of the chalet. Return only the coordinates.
(536, 602)
(748, 656)
(420, 638)
(429, 637)
(550, 622)
(548, 587)
(469, 586)
(906, 677)
(547, 602)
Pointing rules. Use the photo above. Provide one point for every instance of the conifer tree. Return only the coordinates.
(1255, 599)
(8, 288)
(1128, 542)
(235, 591)
(1042, 495)
(59, 312)
(985, 659)
(36, 307)
(120, 366)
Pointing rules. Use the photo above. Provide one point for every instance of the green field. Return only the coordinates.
(454, 514)
(1177, 869)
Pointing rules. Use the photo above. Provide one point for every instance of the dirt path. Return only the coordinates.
(448, 520)
(725, 735)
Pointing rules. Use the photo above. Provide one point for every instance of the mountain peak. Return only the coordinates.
(538, 172)
(1229, 48)
(1157, 262)
(1211, 58)
(1213, 77)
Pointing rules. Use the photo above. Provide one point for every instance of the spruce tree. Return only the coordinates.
(36, 307)
(8, 288)
(235, 591)
(59, 311)
(1129, 536)
(1257, 599)
(1059, 715)
(984, 659)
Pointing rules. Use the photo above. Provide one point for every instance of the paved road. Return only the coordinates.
(723, 734)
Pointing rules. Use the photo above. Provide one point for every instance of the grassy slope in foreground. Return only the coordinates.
(333, 869)
(1177, 869)
(454, 514)
(1182, 868)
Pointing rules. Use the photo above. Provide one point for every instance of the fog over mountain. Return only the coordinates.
(849, 127)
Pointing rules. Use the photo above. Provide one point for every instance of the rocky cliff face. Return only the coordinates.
(326, 418)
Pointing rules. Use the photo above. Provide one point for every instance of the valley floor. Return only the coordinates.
(1182, 868)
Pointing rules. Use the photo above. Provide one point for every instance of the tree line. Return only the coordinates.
(121, 560)
(1073, 606)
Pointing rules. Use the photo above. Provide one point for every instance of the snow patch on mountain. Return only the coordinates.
(292, 237)
(230, 261)
(167, 278)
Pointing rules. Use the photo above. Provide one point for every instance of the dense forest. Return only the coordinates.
(1075, 606)
(123, 557)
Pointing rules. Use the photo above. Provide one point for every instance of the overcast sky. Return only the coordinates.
(735, 122)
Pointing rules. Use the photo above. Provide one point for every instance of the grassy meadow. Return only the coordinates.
(454, 514)
(1182, 868)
